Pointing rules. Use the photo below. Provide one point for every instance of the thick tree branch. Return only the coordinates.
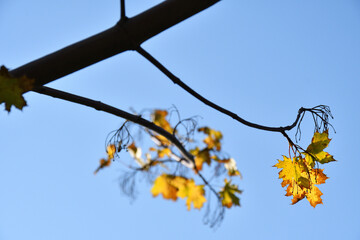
(125, 35)
(187, 157)
(177, 81)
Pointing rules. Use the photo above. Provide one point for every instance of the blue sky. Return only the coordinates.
(261, 59)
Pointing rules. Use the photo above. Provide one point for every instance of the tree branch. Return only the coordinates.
(125, 35)
(122, 10)
(177, 81)
(187, 157)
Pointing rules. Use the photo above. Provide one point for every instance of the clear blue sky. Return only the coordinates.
(261, 59)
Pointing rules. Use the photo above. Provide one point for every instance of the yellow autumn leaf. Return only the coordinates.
(159, 118)
(228, 194)
(110, 151)
(313, 195)
(164, 185)
(200, 157)
(11, 89)
(172, 187)
(301, 180)
(194, 194)
(293, 170)
(314, 151)
(213, 139)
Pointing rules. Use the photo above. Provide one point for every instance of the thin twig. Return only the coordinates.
(177, 81)
(122, 9)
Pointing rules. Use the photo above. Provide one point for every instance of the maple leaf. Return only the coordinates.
(11, 89)
(293, 170)
(228, 194)
(314, 151)
(201, 156)
(159, 118)
(172, 187)
(164, 185)
(300, 180)
(213, 138)
(110, 151)
(313, 195)
(194, 194)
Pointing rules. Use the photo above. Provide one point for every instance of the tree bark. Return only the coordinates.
(125, 35)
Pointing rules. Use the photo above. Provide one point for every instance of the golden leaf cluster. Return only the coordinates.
(299, 173)
(172, 186)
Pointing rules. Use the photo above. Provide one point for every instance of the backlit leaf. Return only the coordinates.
(213, 139)
(172, 187)
(201, 156)
(228, 194)
(11, 89)
(194, 194)
(110, 151)
(301, 180)
(159, 118)
(164, 185)
(314, 151)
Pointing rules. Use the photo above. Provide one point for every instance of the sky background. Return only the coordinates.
(261, 59)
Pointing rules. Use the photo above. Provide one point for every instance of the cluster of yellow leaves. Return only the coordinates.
(11, 89)
(300, 176)
(172, 187)
(110, 150)
(213, 138)
(209, 152)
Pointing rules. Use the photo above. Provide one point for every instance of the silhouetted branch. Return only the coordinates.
(177, 81)
(125, 35)
(186, 156)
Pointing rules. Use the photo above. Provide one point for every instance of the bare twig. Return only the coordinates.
(177, 81)
(122, 9)
(186, 156)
